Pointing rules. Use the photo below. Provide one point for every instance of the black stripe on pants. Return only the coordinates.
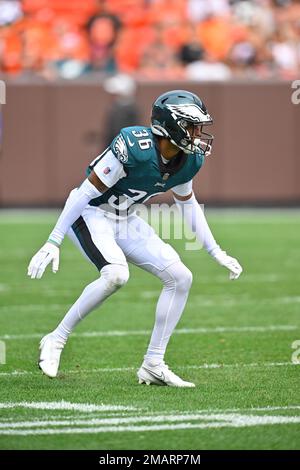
(84, 237)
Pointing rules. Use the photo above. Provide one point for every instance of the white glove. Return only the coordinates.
(47, 254)
(230, 263)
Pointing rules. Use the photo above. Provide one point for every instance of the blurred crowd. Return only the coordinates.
(151, 39)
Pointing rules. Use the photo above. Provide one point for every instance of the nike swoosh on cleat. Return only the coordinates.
(159, 377)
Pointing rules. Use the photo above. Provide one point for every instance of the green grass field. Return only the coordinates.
(234, 341)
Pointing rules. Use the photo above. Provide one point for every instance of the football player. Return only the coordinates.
(99, 217)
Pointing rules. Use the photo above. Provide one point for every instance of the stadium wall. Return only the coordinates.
(52, 131)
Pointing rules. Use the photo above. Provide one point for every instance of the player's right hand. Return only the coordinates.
(47, 254)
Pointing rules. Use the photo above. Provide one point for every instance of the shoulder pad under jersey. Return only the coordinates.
(133, 145)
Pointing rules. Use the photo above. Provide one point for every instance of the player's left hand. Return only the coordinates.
(230, 263)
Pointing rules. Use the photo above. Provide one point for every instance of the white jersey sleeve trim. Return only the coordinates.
(183, 189)
(109, 170)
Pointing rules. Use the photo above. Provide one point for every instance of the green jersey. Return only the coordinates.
(144, 174)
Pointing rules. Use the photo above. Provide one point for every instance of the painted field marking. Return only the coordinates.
(139, 422)
(211, 421)
(186, 331)
(199, 300)
(130, 369)
(65, 405)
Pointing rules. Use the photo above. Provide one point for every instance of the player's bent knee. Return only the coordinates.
(181, 275)
(116, 275)
(185, 280)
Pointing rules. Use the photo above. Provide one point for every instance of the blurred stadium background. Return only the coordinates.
(75, 72)
(58, 58)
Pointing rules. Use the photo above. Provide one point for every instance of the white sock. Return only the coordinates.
(177, 280)
(113, 277)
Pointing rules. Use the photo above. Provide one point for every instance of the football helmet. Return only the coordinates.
(180, 116)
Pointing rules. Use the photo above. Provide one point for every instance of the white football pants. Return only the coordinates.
(109, 244)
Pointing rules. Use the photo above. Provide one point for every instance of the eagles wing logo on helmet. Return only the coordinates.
(121, 149)
(188, 111)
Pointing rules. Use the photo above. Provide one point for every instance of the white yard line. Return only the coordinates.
(114, 421)
(16, 373)
(217, 215)
(219, 417)
(200, 366)
(129, 369)
(196, 300)
(138, 422)
(147, 294)
(186, 331)
(4, 287)
(213, 421)
(65, 405)
(290, 300)
(31, 307)
(126, 410)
